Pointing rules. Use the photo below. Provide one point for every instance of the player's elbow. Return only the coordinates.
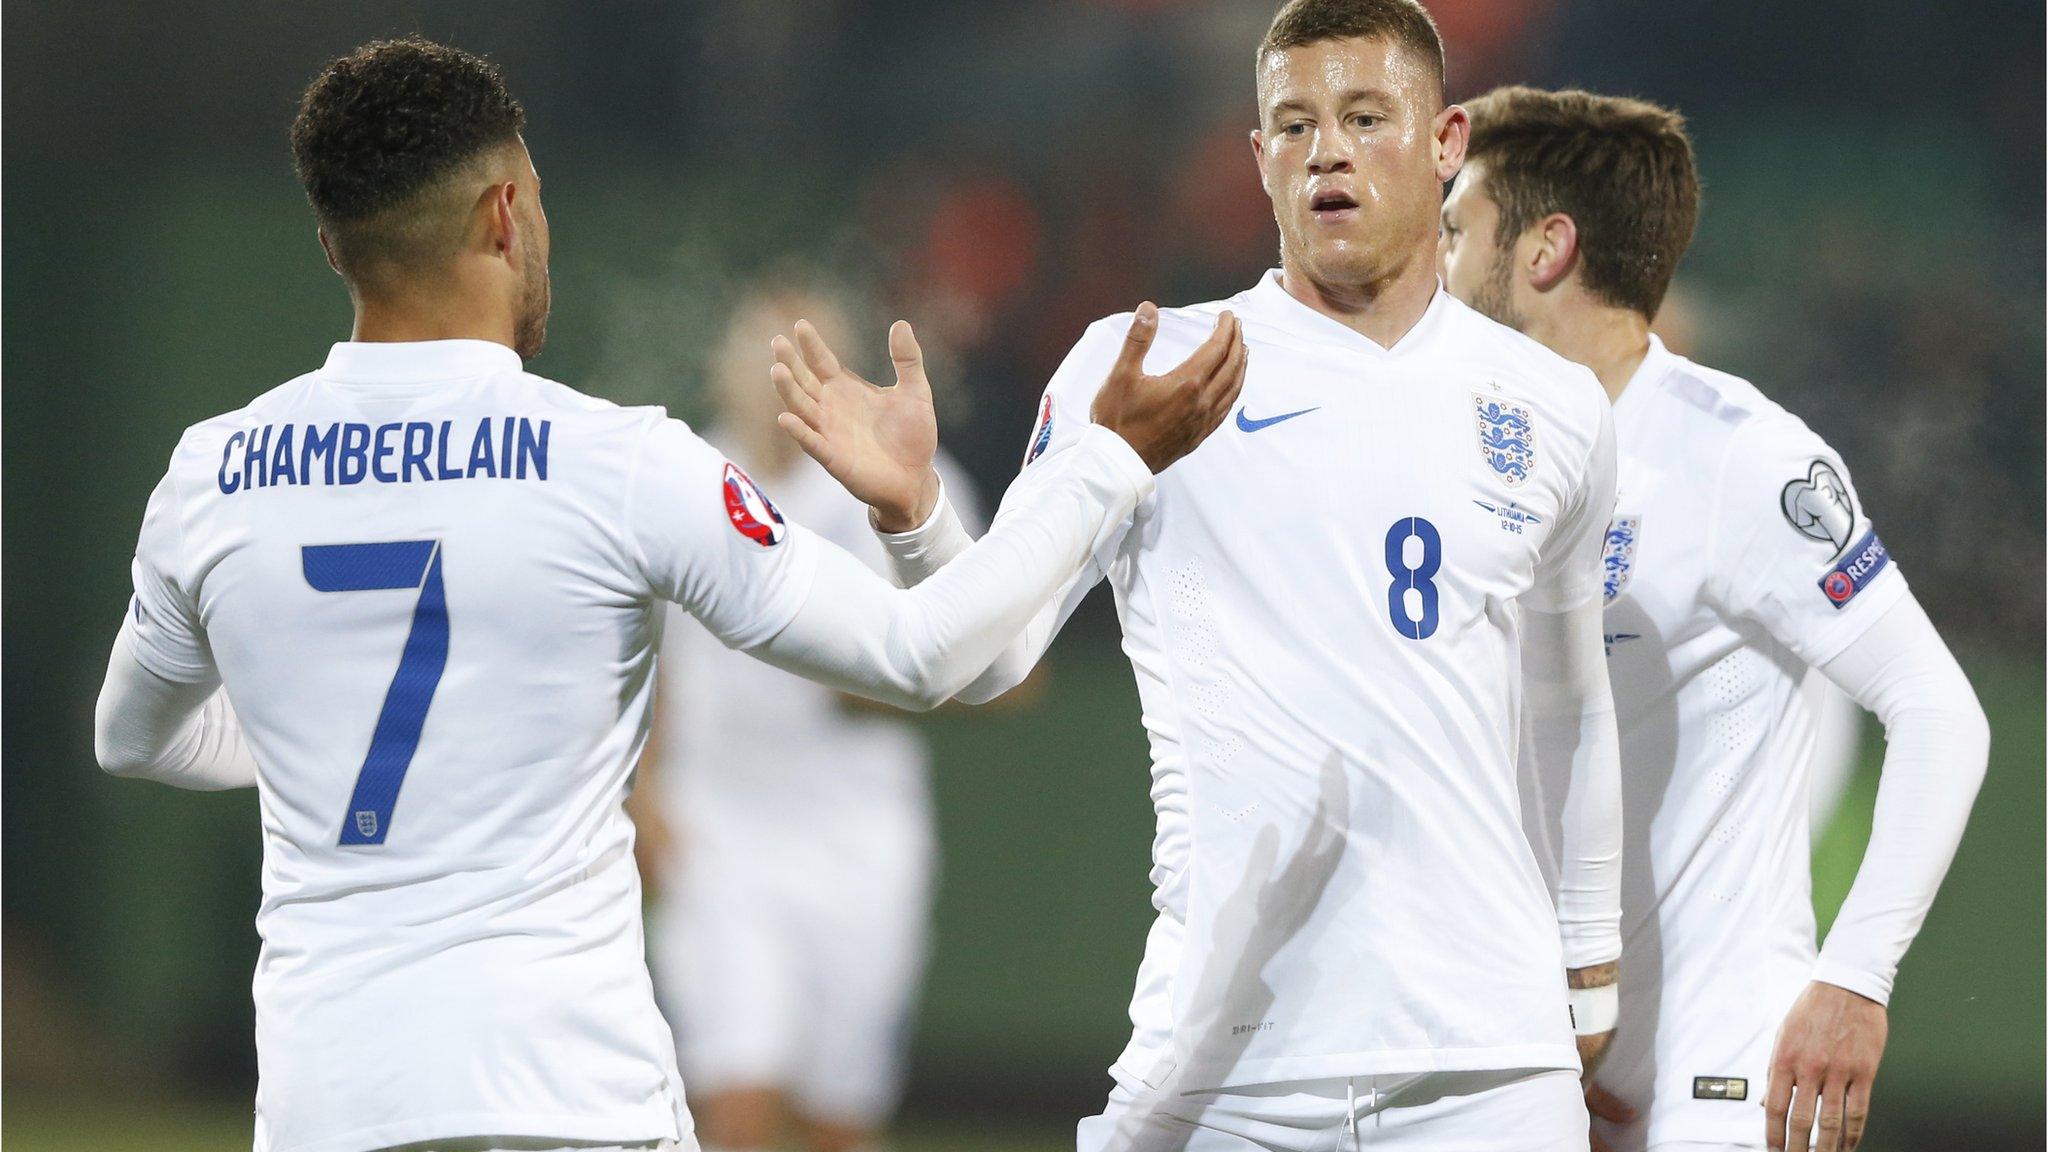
(117, 759)
(1954, 719)
(926, 702)
(978, 693)
(1973, 739)
(988, 686)
(919, 682)
(918, 695)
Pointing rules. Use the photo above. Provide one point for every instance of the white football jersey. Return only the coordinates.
(750, 750)
(1738, 557)
(1321, 604)
(433, 585)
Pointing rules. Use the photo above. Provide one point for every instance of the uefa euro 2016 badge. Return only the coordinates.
(1618, 558)
(1041, 436)
(1507, 438)
(750, 510)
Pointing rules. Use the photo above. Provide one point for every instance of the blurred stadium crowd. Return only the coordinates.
(1001, 173)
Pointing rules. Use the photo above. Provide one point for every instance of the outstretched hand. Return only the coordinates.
(877, 442)
(1164, 417)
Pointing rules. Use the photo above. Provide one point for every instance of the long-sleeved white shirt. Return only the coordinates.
(432, 586)
(1738, 559)
(1326, 607)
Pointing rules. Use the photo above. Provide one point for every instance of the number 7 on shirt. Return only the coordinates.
(380, 568)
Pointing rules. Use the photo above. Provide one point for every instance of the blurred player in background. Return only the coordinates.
(787, 829)
(1738, 559)
(432, 583)
(1341, 612)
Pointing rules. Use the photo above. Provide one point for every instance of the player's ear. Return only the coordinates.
(500, 219)
(327, 250)
(1556, 251)
(1453, 130)
(1259, 158)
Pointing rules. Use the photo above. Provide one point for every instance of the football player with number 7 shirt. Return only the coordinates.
(433, 584)
(1738, 560)
(1345, 612)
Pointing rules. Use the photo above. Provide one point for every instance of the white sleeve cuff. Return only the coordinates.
(1125, 458)
(1854, 979)
(916, 554)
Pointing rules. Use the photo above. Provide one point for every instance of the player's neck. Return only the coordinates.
(395, 318)
(1381, 311)
(1610, 341)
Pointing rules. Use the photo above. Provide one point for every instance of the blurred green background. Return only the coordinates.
(1002, 173)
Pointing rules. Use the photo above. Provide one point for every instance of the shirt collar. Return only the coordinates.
(1655, 363)
(1271, 297)
(418, 362)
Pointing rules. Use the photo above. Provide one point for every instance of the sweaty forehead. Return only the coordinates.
(1330, 72)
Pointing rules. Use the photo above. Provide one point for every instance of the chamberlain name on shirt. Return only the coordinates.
(407, 452)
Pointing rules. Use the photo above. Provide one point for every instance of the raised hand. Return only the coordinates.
(1827, 1054)
(1164, 417)
(877, 442)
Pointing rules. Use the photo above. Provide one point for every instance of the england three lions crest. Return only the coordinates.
(1618, 558)
(1507, 438)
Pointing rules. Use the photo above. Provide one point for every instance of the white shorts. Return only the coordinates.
(1507, 1111)
(800, 974)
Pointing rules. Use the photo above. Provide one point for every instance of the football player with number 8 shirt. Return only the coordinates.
(1738, 559)
(1345, 613)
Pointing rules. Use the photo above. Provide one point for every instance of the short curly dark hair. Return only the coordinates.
(389, 121)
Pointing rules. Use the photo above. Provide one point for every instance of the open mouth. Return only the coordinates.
(1332, 206)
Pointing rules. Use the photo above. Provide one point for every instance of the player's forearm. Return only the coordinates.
(918, 647)
(1570, 717)
(915, 555)
(1936, 745)
(184, 735)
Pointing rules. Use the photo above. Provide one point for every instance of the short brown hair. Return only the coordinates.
(1405, 22)
(1622, 169)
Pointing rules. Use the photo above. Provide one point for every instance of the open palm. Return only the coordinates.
(877, 442)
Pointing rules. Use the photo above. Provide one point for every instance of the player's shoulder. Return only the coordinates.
(203, 442)
(1724, 414)
(542, 396)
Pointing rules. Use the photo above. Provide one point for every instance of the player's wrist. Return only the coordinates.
(895, 519)
(1122, 457)
(1595, 1010)
(1853, 980)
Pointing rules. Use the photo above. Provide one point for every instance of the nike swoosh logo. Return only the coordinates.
(1247, 424)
